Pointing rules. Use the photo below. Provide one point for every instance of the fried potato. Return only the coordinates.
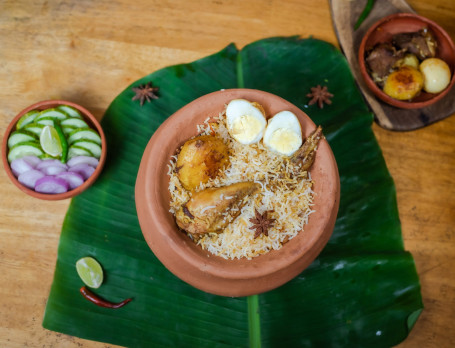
(201, 159)
(404, 84)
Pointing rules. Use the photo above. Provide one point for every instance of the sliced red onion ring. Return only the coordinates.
(50, 184)
(32, 160)
(29, 178)
(53, 170)
(83, 169)
(72, 178)
(91, 161)
(50, 162)
(19, 166)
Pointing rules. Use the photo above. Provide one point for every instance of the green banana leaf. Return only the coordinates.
(362, 290)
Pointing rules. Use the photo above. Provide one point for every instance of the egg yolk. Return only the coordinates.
(245, 128)
(284, 140)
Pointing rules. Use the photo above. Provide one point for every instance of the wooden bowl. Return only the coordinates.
(91, 121)
(383, 31)
(200, 268)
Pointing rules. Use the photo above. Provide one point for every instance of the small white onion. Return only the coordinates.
(436, 74)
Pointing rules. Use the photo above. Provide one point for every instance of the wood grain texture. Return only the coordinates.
(345, 14)
(88, 52)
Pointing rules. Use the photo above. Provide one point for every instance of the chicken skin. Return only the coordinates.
(212, 209)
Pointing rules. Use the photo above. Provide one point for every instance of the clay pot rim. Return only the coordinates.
(163, 238)
(46, 104)
(378, 92)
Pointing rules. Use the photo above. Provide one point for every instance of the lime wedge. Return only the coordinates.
(90, 271)
(50, 141)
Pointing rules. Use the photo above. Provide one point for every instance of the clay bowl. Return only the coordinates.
(382, 32)
(200, 268)
(91, 121)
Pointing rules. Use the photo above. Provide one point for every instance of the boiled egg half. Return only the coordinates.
(283, 134)
(245, 121)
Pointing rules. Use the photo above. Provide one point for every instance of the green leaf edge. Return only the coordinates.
(412, 318)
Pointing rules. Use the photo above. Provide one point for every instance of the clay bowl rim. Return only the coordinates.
(236, 277)
(46, 104)
(374, 87)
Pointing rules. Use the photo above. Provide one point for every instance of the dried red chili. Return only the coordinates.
(101, 302)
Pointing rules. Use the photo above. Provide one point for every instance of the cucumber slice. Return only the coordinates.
(75, 150)
(35, 128)
(20, 136)
(72, 112)
(68, 129)
(53, 113)
(45, 121)
(74, 122)
(84, 133)
(28, 118)
(89, 145)
(24, 149)
(46, 156)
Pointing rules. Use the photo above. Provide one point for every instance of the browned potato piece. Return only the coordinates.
(404, 84)
(408, 60)
(212, 209)
(200, 159)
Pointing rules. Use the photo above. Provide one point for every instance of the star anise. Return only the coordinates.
(319, 95)
(145, 92)
(261, 223)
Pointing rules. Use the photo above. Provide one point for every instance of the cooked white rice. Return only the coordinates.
(286, 193)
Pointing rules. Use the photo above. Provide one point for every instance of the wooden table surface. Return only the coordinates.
(89, 51)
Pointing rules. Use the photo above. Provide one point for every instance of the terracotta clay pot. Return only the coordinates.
(200, 268)
(383, 31)
(88, 118)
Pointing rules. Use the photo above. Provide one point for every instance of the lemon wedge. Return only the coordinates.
(50, 141)
(90, 272)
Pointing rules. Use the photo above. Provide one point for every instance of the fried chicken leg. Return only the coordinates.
(212, 209)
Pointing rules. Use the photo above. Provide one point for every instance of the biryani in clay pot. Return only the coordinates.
(242, 187)
(237, 192)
